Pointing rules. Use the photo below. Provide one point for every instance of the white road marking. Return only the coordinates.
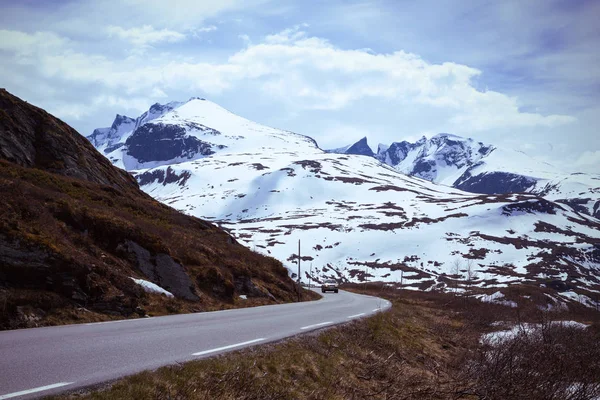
(106, 322)
(315, 325)
(119, 321)
(375, 310)
(34, 390)
(231, 346)
(356, 315)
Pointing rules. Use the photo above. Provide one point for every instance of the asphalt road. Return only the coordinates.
(43, 361)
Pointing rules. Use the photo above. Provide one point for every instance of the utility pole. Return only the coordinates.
(310, 277)
(299, 270)
(401, 278)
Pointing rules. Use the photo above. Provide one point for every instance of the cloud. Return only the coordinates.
(302, 71)
(310, 72)
(145, 35)
(27, 44)
(209, 28)
(589, 160)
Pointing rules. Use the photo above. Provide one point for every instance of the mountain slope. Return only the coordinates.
(178, 132)
(359, 219)
(30, 137)
(475, 167)
(74, 231)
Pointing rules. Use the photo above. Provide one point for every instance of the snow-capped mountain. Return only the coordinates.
(357, 218)
(177, 132)
(472, 166)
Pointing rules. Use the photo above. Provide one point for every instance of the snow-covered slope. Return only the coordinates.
(475, 167)
(356, 217)
(177, 132)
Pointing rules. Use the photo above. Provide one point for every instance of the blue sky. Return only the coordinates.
(520, 74)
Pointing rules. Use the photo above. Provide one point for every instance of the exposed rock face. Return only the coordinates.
(159, 176)
(113, 134)
(31, 137)
(538, 205)
(428, 156)
(396, 153)
(361, 148)
(494, 183)
(580, 205)
(163, 270)
(160, 142)
(244, 285)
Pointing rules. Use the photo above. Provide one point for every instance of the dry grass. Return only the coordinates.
(60, 257)
(426, 347)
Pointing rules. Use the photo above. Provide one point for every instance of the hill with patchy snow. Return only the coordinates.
(357, 218)
(475, 167)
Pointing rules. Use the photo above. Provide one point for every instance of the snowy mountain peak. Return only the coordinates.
(476, 167)
(442, 159)
(181, 131)
(107, 137)
(382, 147)
(120, 120)
(448, 136)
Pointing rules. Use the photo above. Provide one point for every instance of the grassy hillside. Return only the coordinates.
(74, 230)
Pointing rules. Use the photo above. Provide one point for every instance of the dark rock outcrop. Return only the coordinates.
(162, 270)
(160, 142)
(360, 148)
(31, 137)
(538, 205)
(494, 183)
(396, 153)
(160, 176)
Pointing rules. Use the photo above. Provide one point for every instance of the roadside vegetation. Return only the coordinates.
(427, 346)
(75, 230)
(64, 258)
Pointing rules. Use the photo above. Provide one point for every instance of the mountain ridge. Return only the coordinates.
(475, 167)
(360, 219)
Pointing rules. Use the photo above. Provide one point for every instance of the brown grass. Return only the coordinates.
(67, 234)
(426, 347)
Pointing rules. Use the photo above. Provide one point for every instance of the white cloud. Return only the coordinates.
(145, 35)
(26, 44)
(210, 28)
(290, 67)
(245, 38)
(589, 160)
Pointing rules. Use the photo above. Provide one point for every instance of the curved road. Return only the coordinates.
(42, 361)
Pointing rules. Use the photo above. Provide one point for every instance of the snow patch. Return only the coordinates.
(151, 287)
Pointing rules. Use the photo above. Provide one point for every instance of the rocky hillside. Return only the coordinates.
(75, 232)
(359, 219)
(30, 137)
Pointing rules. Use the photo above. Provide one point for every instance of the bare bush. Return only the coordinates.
(546, 361)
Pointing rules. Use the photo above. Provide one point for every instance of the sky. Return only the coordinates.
(521, 74)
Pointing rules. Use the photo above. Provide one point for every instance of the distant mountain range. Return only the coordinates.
(478, 168)
(403, 213)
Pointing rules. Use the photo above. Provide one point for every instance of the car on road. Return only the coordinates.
(329, 285)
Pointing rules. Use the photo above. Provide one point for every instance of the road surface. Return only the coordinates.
(42, 361)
